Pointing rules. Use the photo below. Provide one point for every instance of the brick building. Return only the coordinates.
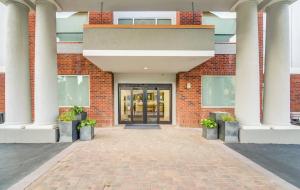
(146, 67)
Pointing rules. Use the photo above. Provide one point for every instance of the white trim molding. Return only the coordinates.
(295, 70)
(148, 53)
(2, 69)
(242, 1)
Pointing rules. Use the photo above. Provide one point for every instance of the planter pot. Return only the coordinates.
(210, 133)
(229, 132)
(68, 131)
(217, 116)
(81, 116)
(86, 133)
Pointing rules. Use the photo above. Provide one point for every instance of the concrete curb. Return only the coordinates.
(274, 178)
(29, 179)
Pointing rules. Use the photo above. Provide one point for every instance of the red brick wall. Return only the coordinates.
(261, 58)
(101, 86)
(189, 111)
(295, 93)
(31, 26)
(2, 92)
(188, 18)
(98, 18)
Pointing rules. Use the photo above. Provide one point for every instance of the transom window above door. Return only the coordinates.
(145, 18)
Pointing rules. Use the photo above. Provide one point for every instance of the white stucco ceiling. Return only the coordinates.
(146, 5)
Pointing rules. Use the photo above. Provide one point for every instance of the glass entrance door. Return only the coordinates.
(145, 104)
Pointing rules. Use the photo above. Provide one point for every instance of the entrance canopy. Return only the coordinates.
(148, 48)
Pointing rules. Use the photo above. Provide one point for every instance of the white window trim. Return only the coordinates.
(89, 95)
(213, 107)
(145, 15)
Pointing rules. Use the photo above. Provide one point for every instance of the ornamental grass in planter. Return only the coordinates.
(86, 128)
(229, 129)
(210, 129)
(79, 113)
(67, 124)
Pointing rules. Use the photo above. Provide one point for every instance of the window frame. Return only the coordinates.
(89, 90)
(172, 15)
(201, 99)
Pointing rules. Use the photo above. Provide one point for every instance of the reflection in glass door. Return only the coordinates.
(145, 104)
(138, 105)
(125, 104)
(152, 108)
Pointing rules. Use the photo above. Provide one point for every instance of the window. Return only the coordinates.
(225, 25)
(73, 90)
(218, 91)
(145, 18)
(145, 21)
(70, 26)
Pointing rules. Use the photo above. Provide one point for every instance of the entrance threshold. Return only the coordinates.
(142, 126)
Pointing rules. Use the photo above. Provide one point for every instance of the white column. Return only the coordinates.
(277, 65)
(247, 103)
(46, 95)
(17, 75)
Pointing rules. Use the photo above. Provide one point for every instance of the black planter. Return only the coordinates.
(81, 116)
(2, 118)
(229, 131)
(68, 131)
(217, 116)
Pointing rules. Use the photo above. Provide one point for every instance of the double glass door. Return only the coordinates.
(145, 104)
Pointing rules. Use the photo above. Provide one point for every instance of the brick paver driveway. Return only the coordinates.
(171, 158)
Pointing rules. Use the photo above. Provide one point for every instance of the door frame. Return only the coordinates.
(145, 87)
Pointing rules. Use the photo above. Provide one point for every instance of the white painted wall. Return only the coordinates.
(120, 78)
(295, 37)
(2, 34)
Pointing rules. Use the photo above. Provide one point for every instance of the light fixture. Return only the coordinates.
(146, 68)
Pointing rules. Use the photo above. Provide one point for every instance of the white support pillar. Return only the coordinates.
(247, 104)
(17, 75)
(46, 92)
(277, 65)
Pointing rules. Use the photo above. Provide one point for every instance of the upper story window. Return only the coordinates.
(69, 26)
(145, 18)
(225, 25)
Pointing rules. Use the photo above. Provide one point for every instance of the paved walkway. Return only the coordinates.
(167, 159)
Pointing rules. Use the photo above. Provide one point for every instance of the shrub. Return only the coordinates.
(228, 118)
(87, 123)
(77, 110)
(209, 123)
(67, 116)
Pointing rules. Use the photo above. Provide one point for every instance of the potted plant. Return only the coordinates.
(86, 128)
(229, 129)
(79, 113)
(67, 124)
(210, 129)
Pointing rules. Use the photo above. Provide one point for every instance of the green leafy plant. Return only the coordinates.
(67, 116)
(209, 123)
(77, 110)
(87, 123)
(228, 118)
